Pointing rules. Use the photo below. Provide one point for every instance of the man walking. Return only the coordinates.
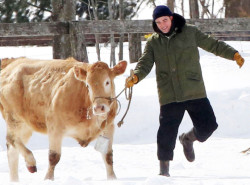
(173, 48)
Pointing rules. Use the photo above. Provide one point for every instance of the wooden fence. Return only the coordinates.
(82, 34)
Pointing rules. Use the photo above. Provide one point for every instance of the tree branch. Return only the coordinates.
(30, 4)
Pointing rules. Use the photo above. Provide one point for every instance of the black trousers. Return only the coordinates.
(171, 115)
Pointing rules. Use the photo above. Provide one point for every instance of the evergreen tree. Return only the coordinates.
(17, 11)
(84, 9)
(42, 10)
(12, 10)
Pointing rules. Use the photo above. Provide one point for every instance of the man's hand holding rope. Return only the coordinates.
(131, 80)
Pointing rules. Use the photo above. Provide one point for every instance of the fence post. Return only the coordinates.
(134, 47)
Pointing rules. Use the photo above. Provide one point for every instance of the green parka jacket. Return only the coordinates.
(178, 71)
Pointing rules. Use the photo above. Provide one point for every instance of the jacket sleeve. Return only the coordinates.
(214, 46)
(145, 63)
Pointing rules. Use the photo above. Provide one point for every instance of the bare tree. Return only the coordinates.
(237, 8)
(112, 36)
(206, 5)
(194, 9)
(151, 2)
(213, 8)
(139, 3)
(97, 37)
(121, 16)
(182, 7)
(170, 4)
(205, 9)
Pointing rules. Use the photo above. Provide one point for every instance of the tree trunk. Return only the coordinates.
(182, 8)
(134, 47)
(121, 15)
(78, 43)
(170, 5)
(112, 37)
(62, 12)
(237, 8)
(194, 9)
(213, 10)
(153, 2)
(97, 37)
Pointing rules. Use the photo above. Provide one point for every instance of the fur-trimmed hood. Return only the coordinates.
(177, 24)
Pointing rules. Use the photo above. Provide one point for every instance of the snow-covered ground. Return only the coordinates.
(218, 160)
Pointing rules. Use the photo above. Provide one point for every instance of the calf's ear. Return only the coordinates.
(120, 68)
(80, 73)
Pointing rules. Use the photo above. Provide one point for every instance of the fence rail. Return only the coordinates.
(115, 27)
(105, 38)
(41, 34)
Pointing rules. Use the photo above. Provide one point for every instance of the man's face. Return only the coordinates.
(164, 23)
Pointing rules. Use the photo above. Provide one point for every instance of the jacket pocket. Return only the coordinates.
(193, 76)
(162, 79)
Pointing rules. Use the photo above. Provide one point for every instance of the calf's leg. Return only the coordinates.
(14, 146)
(13, 159)
(108, 161)
(26, 153)
(54, 154)
(108, 158)
(28, 156)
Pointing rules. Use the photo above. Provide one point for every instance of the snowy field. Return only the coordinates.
(219, 161)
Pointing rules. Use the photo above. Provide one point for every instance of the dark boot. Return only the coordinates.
(187, 140)
(164, 168)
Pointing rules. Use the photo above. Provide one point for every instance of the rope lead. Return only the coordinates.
(129, 98)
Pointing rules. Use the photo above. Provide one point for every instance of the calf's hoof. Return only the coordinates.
(14, 179)
(49, 177)
(32, 169)
(112, 177)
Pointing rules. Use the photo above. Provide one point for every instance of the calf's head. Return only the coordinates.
(99, 79)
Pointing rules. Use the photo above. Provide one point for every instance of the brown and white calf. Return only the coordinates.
(59, 98)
